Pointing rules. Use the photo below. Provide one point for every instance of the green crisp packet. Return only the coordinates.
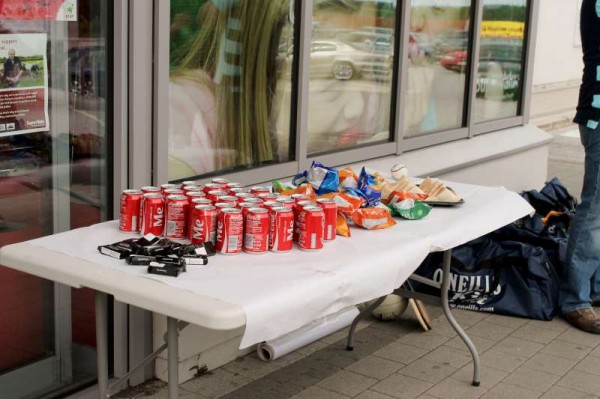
(279, 187)
(410, 209)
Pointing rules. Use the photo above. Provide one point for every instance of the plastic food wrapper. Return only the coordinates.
(410, 209)
(346, 203)
(280, 188)
(373, 218)
(306, 189)
(342, 228)
(399, 196)
(323, 178)
(364, 190)
(300, 179)
(348, 178)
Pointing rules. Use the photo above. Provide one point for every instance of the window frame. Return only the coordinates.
(298, 127)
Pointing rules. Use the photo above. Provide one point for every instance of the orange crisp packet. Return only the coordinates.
(348, 178)
(306, 189)
(342, 228)
(398, 196)
(373, 218)
(347, 204)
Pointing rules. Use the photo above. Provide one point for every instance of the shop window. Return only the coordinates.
(230, 85)
(437, 66)
(500, 68)
(351, 70)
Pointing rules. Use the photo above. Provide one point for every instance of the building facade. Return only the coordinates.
(142, 92)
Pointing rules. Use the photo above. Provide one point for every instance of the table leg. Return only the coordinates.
(173, 360)
(364, 313)
(452, 320)
(102, 342)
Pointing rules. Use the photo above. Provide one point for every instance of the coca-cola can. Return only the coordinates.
(153, 214)
(131, 203)
(287, 202)
(244, 195)
(191, 189)
(300, 197)
(271, 204)
(176, 215)
(215, 194)
(268, 196)
(330, 210)
(281, 234)
(230, 231)
(192, 195)
(311, 222)
(211, 187)
(169, 186)
(233, 184)
(245, 207)
(221, 182)
(173, 191)
(200, 201)
(151, 189)
(253, 200)
(203, 224)
(259, 190)
(256, 231)
(237, 190)
(190, 183)
(297, 208)
(228, 199)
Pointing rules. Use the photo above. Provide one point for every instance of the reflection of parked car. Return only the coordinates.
(344, 62)
(451, 40)
(455, 61)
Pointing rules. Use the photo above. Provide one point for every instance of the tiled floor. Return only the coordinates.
(520, 358)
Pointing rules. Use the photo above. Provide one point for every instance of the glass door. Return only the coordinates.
(54, 157)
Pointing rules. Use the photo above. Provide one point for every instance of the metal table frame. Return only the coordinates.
(443, 299)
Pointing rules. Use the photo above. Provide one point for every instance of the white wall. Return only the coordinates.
(558, 51)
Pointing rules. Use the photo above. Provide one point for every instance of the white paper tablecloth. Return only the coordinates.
(281, 292)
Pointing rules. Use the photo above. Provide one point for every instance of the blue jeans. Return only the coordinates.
(580, 284)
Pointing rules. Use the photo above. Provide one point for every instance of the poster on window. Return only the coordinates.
(23, 84)
(47, 10)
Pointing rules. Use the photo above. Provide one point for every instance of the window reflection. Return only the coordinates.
(437, 65)
(229, 84)
(500, 59)
(351, 65)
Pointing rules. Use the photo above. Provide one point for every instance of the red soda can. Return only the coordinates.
(237, 190)
(245, 207)
(256, 201)
(244, 196)
(190, 183)
(230, 231)
(260, 190)
(131, 203)
(223, 205)
(287, 202)
(176, 215)
(211, 187)
(232, 184)
(271, 204)
(151, 189)
(228, 199)
(189, 189)
(311, 223)
(221, 182)
(200, 201)
(297, 208)
(153, 214)
(300, 197)
(330, 210)
(203, 224)
(168, 186)
(191, 195)
(256, 231)
(268, 196)
(172, 191)
(215, 194)
(281, 234)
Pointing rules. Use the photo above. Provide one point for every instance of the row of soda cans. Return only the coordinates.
(233, 218)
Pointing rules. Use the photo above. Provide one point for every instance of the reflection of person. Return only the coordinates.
(580, 287)
(13, 69)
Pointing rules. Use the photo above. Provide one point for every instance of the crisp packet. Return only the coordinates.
(279, 188)
(300, 178)
(398, 196)
(342, 228)
(364, 190)
(410, 209)
(373, 218)
(306, 189)
(348, 178)
(346, 203)
(323, 179)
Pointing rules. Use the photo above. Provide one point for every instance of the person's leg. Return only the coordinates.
(583, 249)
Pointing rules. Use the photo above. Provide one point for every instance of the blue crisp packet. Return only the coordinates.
(363, 190)
(323, 178)
(300, 179)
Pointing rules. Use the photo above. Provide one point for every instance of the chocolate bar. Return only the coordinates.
(165, 271)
